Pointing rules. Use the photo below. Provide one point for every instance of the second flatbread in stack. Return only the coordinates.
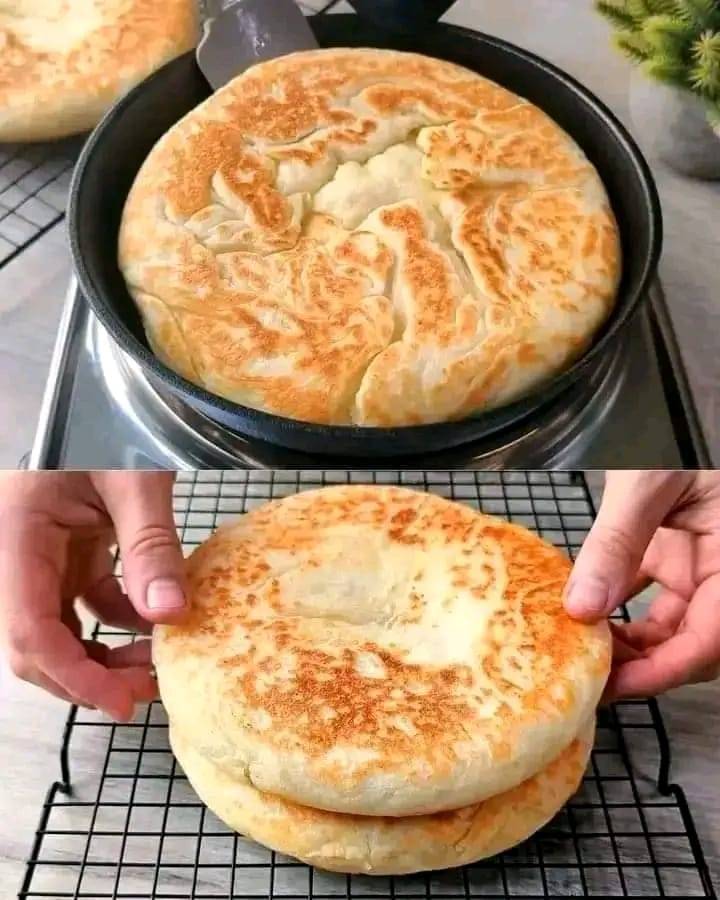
(377, 845)
(382, 665)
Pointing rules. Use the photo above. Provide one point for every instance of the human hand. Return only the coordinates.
(659, 527)
(56, 531)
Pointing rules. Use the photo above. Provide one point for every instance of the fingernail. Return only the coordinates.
(587, 597)
(164, 593)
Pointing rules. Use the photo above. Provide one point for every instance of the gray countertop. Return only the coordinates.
(568, 33)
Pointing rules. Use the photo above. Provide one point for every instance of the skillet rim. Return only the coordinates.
(481, 425)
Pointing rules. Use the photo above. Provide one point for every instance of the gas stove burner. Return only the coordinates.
(551, 439)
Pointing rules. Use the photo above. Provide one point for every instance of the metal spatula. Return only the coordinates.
(239, 33)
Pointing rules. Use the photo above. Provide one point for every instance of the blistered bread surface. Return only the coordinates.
(377, 845)
(368, 237)
(63, 63)
(379, 651)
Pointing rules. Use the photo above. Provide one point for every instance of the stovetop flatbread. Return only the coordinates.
(368, 237)
(379, 651)
(63, 63)
(374, 845)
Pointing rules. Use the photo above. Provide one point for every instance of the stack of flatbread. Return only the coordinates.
(379, 680)
(63, 63)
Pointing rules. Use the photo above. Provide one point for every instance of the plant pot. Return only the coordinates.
(673, 124)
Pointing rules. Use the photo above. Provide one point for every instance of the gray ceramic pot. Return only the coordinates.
(673, 125)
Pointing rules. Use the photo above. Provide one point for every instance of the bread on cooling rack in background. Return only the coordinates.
(379, 680)
(63, 63)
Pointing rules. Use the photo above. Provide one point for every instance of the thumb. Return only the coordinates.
(140, 506)
(633, 507)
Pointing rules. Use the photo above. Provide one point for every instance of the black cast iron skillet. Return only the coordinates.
(118, 146)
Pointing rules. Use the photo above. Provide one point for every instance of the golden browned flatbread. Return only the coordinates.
(379, 651)
(63, 63)
(376, 845)
(369, 237)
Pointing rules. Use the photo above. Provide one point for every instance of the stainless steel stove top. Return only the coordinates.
(100, 411)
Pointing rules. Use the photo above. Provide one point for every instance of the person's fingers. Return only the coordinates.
(42, 632)
(32, 560)
(633, 507)
(134, 659)
(140, 505)
(641, 582)
(93, 581)
(47, 684)
(664, 667)
(132, 662)
(670, 560)
(111, 606)
(698, 511)
(41, 647)
(57, 653)
(692, 654)
(70, 618)
(663, 619)
(22, 670)
(88, 560)
(623, 650)
(642, 635)
(667, 610)
(135, 655)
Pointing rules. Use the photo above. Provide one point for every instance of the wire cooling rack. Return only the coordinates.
(34, 182)
(123, 821)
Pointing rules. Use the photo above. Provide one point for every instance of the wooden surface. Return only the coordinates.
(568, 33)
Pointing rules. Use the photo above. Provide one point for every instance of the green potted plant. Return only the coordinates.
(675, 88)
